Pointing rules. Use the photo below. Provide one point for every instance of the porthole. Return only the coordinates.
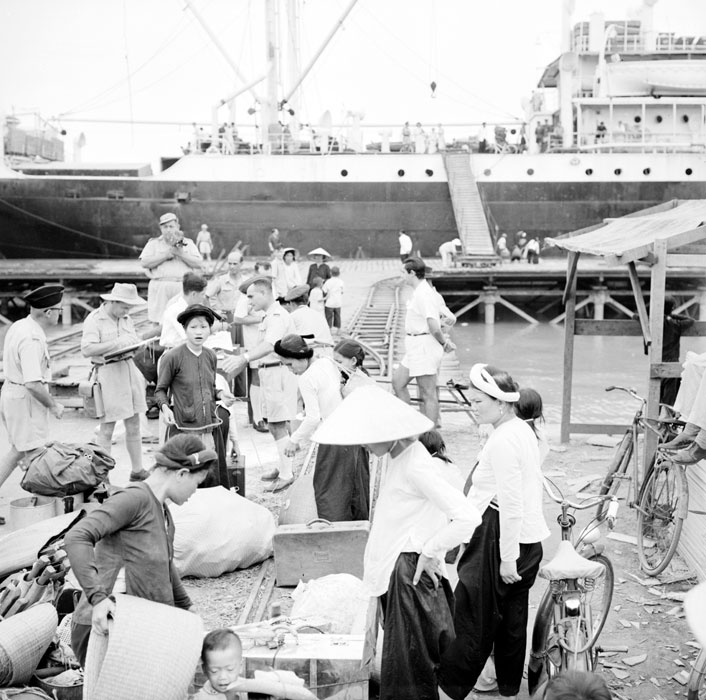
(400, 173)
(618, 171)
(646, 171)
(486, 172)
(589, 171)
(638, 119)
(429, 172)
(688, 171)
(530, 171)
(344, 173)
(659, 118)
(685, 118)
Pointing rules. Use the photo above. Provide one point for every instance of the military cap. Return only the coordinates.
(257, 278)
(44, 297)
(297, 292)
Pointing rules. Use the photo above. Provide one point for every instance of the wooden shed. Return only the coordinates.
(664, 237)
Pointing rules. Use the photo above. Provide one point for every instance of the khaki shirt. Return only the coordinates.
(224, 293)
(274, 326)
(26, 354)
(173, 269)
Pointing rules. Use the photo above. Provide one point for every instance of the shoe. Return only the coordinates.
(150, 439)
(681, 440)
(152, 413)
(261, 427)
(2, 520)
(279, 484)
(139, 476)
(270, 476)
(691, 455)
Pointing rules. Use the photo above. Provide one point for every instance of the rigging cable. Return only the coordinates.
(129, 81)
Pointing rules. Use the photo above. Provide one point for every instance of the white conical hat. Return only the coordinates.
(695, 608)
(320, 251)
(369, 415)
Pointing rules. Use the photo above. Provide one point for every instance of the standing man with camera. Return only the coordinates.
(165, 260)
(25, 401)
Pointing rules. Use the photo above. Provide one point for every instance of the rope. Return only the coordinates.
(90, 236)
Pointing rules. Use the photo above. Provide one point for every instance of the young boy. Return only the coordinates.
(333, 290)
(221, 659)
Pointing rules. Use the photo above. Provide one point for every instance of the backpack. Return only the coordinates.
(58, 469)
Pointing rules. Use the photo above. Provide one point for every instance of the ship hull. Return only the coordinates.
(114, 217)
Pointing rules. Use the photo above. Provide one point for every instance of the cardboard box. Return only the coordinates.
(331, 665)
(319, 548)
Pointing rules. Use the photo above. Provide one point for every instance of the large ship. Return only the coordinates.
(616, 124)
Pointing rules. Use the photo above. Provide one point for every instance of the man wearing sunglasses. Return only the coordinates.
(25, 401)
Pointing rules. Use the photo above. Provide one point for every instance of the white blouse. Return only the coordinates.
(509, 471)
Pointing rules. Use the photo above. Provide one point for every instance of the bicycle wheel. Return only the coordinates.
(660, 516)
(577, 638)
(619, 466)
(539, 667)
(601, 596)
(696, 687)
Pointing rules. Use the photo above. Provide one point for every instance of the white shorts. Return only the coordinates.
(423, 355)
(159, 292)
(278, 388)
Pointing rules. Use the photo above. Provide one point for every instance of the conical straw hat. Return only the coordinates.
(369, 415)
(695, 608)
(319, 251)
(151, 651)
(23, 640)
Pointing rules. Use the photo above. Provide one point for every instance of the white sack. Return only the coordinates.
(217, 531)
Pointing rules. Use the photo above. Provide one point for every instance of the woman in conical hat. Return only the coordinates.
(419, 516)
(500, 563)
(318, 268)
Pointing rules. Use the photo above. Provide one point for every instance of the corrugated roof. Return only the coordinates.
(630, 235)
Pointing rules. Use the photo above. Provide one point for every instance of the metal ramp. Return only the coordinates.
(468, 209)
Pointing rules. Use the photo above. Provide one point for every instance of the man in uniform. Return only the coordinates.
(425, 342)
(25, 402)
(165, 260)
(310, 325)
(278, 385)
(223, 292)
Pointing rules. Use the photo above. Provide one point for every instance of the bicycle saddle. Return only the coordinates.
(568, 563)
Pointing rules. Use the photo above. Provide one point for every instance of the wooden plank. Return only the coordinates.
(662, 370)
(682, 260)
(569, 328)
(674, 241)
(627, 328)
(598, 428)
(640, 303)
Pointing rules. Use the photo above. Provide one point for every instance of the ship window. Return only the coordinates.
(116, 194)
(344, 173)
(638, 119)
(429, 172)
(618, 171)
(530, 171)
(589, 171)
(658, 118)
(688, 171)
(400, 173)
(486, 172)
(646, 171)
(182, 196)
(685, 118)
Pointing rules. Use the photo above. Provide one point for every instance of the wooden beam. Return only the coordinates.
(598, 428)
(684, 260)
(673, 241)
(640, 303)
(664, 370)
(569, 327)
(627, 328)
(570, 288)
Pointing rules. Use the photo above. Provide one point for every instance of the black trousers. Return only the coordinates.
(218, 474)
(418, 624)
(489, 613)
(342, 482)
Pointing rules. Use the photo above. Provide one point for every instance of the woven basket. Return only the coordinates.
(24, 638)
(151, 651)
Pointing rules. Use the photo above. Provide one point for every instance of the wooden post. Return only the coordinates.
(569, 327)
(657, 291)
(489, 305)
(599, 296)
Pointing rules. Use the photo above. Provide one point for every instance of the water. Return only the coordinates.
(534, 356)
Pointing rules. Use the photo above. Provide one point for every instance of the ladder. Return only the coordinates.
(468, 210)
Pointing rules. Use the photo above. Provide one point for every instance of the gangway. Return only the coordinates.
(471, 222)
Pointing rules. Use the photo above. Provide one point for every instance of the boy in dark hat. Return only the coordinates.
(25, 401)
(186, 388)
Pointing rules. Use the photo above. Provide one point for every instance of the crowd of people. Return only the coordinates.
(304, 384)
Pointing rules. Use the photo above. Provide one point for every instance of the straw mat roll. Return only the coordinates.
(150, 651)
(23, 640)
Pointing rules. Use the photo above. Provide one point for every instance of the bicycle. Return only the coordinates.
(660, 498)
(696, 685)
(567, 625)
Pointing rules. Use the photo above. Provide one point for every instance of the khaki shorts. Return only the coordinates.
(423, 355)
(278, 388)
(25, 419)
(159, 292)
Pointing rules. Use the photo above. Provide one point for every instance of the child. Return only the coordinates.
(530, 409)
(333, 290)
(576, 685)
(316, 295)
(221, 659)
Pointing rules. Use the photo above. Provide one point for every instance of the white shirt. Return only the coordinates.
(309, 322)
(509, 470)
(333, 289)
(275, 324)
(422, 305)
(251, 331)
(173, 333)
(320, 389)
(316, 299)
(417, 511)
(405, 244)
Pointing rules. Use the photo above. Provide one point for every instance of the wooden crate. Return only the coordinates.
(319, 548)
(331, 665)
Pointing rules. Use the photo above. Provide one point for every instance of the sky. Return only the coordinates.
(152, 60)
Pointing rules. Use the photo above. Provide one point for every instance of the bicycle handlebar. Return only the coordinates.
(627, 390)
(584, 505)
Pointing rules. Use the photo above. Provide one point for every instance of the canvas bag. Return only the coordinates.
(59, 469)
(92, 394)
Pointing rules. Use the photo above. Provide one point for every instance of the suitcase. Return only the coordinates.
(319, 548)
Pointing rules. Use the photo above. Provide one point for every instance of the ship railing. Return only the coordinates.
(645, 42)
(652, 146)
